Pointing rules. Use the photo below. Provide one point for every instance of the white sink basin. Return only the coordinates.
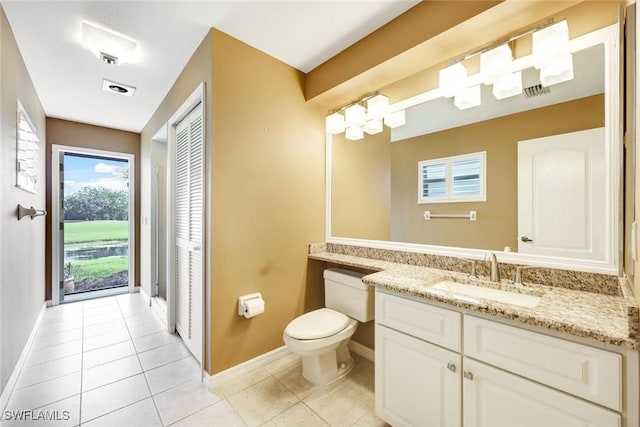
(514, 298)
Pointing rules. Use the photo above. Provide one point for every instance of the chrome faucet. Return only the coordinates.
(495, 268)
(518, 279)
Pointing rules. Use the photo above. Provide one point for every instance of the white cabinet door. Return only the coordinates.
(494, 398)
(417, 383)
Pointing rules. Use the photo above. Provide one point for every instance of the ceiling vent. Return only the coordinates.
(535, 90)
(119, 88)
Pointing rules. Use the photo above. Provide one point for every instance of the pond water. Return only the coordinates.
(94, 253)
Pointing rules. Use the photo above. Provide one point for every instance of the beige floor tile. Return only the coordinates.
(103, 328)
(45, 393)
(262, 401)
(347, 400)
(139, 414)
(108, 398)
(56, 328)
(219, 414)
(291, 377)
(143, 317)
(49, 370)
(343, 404)
(173, 374)
(104, 340)
(43, 341)
(234, 385)
(298, 415)
(182, 401)
(163, 355)
(101, 318)
(54, 352)
(370, 420)
(110, 372)
(156, 340)
(107, 354)
(147, 328)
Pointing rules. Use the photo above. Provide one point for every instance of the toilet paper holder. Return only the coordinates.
(244, 300)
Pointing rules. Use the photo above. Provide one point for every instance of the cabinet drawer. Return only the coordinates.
(584, 371)
(437, 325)
(493, 398)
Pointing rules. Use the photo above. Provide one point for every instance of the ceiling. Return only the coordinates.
(68, 77)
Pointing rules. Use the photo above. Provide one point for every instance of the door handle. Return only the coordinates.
(451, 367)
(525, 239)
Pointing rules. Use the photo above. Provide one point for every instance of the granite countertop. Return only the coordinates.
(603, 318)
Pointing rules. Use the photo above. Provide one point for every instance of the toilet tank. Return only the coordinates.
(345, 292)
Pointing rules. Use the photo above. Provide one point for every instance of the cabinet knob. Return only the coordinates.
(451, 367)
(468, 375)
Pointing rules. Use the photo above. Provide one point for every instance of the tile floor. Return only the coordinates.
(108, 362)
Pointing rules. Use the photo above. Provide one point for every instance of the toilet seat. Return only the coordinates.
(317, 324)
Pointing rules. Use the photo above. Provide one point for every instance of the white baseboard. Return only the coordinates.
(8, 389)
(361, 350)
(245, 367)
(144, 293)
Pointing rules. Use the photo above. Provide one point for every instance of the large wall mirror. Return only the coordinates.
(550, 172)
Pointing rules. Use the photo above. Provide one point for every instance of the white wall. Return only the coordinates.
(22, 243)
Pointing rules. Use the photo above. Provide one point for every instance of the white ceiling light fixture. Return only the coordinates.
(468, 98)
(495, 64)
(355, 115)
(509, 85)
(453, 80)
(357, 119)
(396, 119)
(354, 133)
(377, 106)
(550, 53)
(335, 123)
(373, 126)
(108, 46)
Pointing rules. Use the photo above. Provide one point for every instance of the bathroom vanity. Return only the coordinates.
(453, 350)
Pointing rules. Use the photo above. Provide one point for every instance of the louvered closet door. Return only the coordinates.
(189, 229)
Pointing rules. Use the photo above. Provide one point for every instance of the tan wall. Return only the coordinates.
(497, 224)
(361, 200)
(22, 243)
(268, 199)
(63, 132)
(196, 71)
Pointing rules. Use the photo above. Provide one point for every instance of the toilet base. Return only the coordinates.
(328, 367)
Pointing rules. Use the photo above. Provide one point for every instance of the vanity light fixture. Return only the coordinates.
(354, 133)
(335, 123)
(551, 55)
(373, 126)
(355, 115)
(453, 80)
(468, 98)
(396, 119)
(495, 64)
(111, 48)
(378, 106)
(508, 85)
(357, 119)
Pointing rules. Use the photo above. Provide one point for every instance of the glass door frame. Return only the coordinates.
(57, 150)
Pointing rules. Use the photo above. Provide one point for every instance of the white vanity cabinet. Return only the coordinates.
(438, 367)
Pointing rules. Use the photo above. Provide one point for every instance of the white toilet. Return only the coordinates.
(321, 336)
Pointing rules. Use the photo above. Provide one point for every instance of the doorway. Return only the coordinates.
(93, 236)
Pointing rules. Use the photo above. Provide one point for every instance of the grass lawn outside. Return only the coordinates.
(95, 231)
(99, 267)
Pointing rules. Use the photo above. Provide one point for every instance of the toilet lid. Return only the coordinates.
(317, 324)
